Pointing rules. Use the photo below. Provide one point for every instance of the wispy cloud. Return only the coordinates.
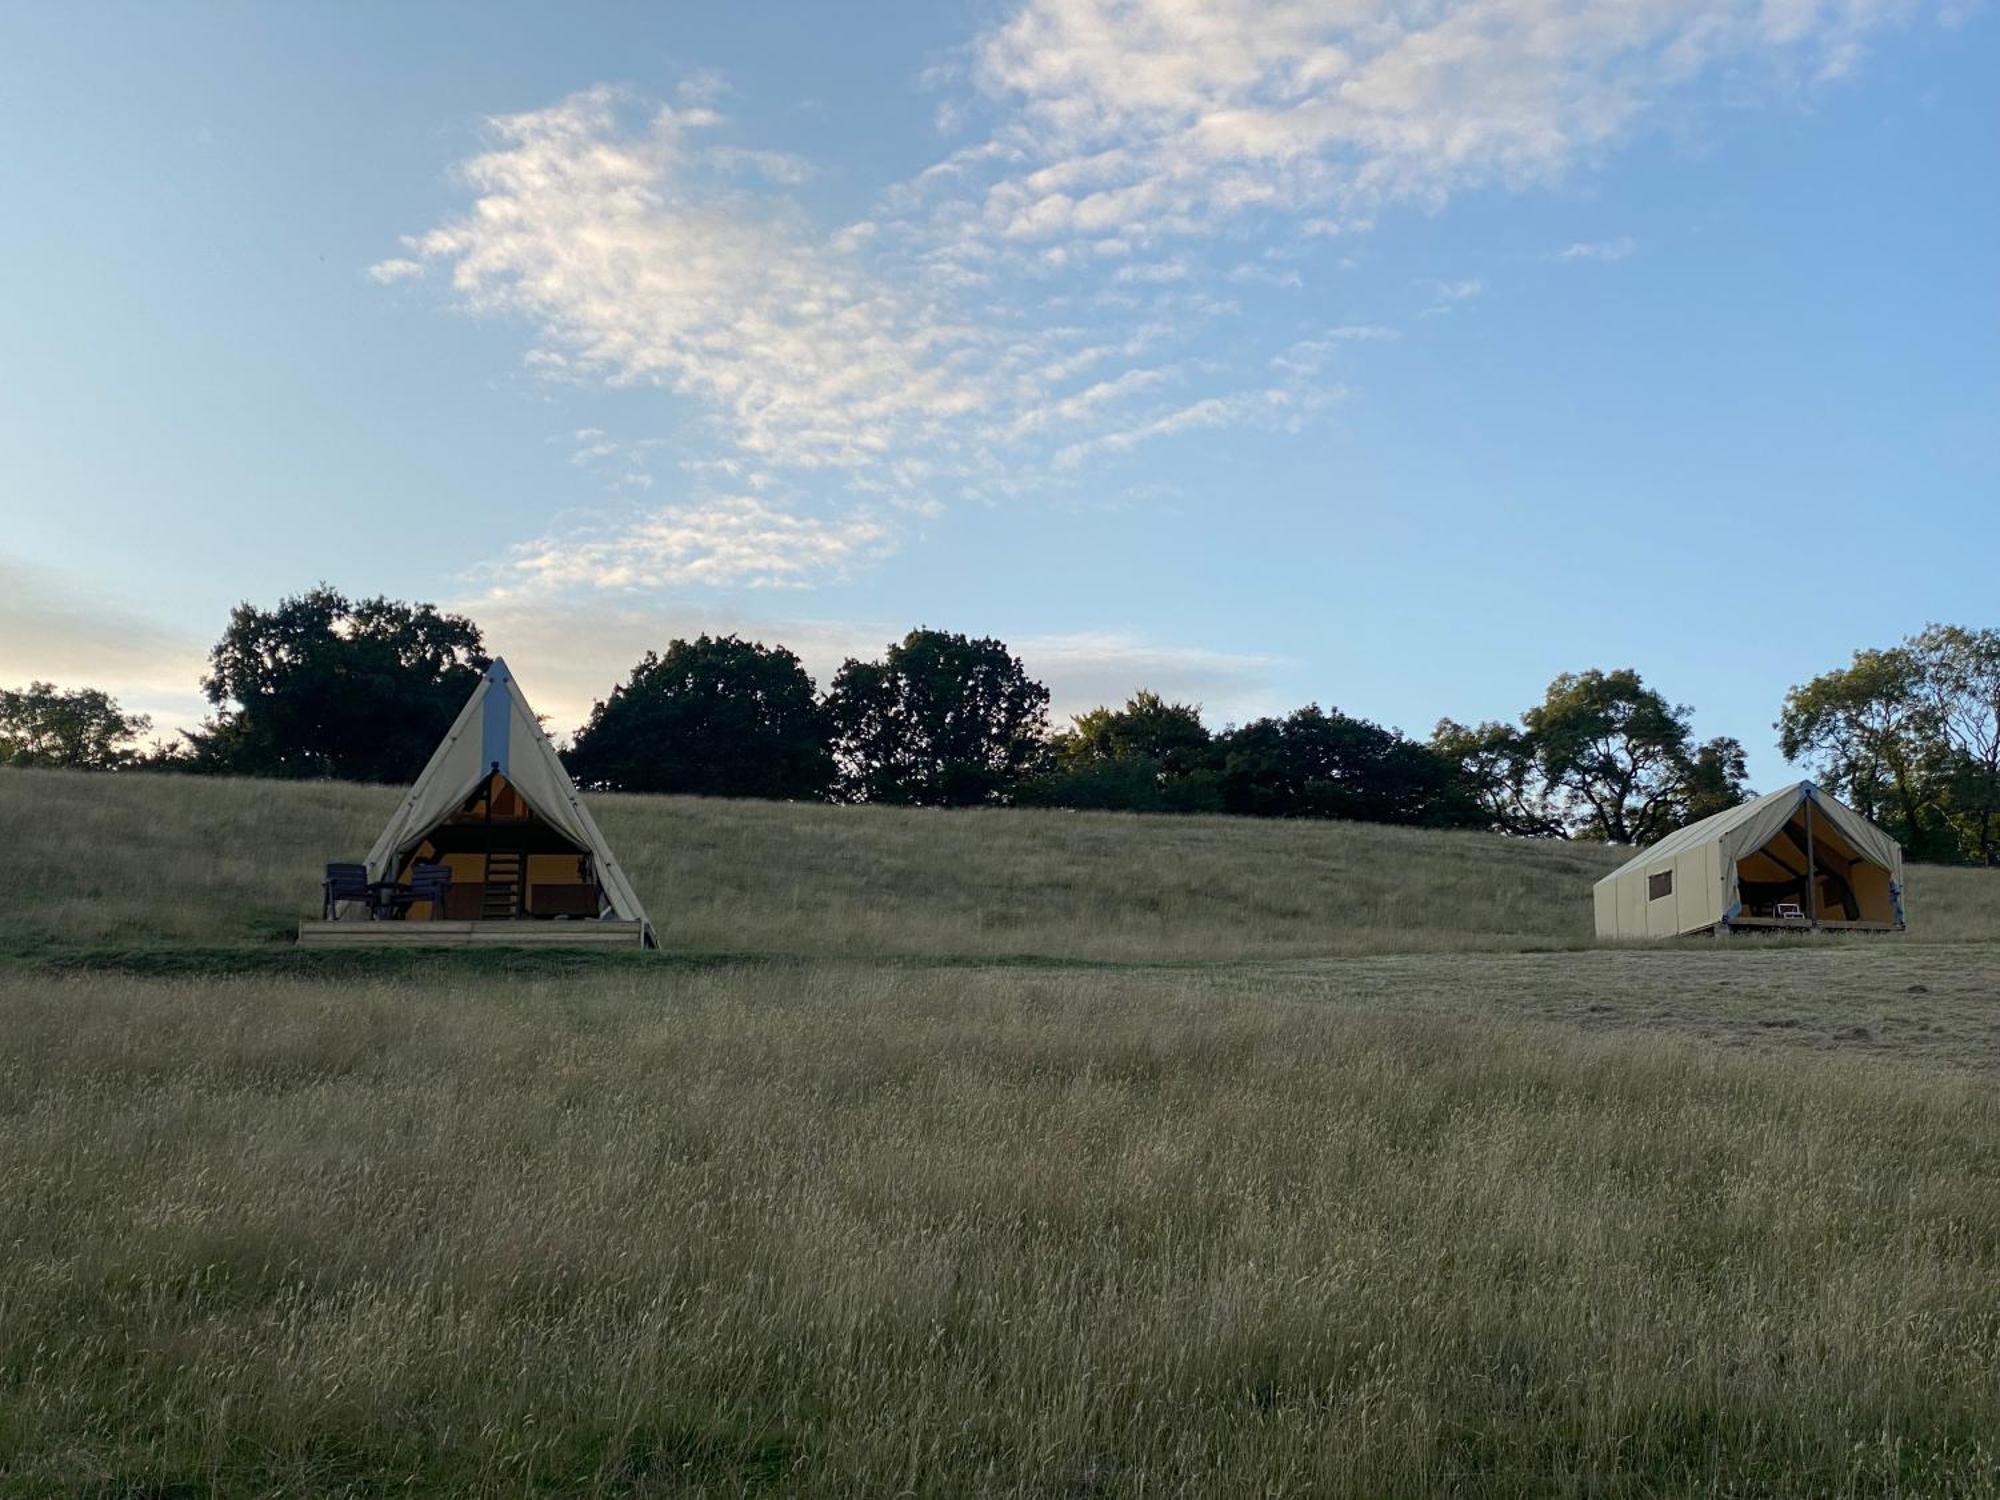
(399, 269)
(1255, 273)
(780, 167)
(1308, 357)
(1210, 411)
(1446, 295)
(1089, 402)
(1173, 117)
(866, 356)
(637, 267)
(1156, 272)
(736, 541)
(1616, 249)
(1041, 298)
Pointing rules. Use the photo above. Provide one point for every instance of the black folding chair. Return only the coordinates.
(427, 883)
(345, 883)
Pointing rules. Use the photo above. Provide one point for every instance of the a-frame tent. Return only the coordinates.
(1795, 858)
(495, 805)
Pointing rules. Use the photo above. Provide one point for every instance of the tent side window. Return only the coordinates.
(1659, 885)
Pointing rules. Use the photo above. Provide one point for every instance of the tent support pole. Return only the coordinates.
(1812, 870)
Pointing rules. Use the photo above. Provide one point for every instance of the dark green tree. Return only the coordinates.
(1498, 768)
(1958, 672)
(1148, 726)
(1911, 737)
(325, 686)
(83, 729)
(1149, 756)
(1717, 781)
(1317, 763)
(713, 717)
(1869, 732)
(1620, 763)
(941, 721)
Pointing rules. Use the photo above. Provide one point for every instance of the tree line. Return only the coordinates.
(327, 686)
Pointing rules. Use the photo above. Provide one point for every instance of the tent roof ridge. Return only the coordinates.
(1714, 825)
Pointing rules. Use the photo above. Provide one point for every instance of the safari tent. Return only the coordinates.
(491, 845)
(1796, 859)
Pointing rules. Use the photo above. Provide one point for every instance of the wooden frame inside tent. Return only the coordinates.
(494, 808)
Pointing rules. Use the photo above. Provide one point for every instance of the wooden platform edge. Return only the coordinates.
(471, 934)
(1776, 924)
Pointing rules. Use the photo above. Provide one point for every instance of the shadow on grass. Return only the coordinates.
(187, 961)
(190, 961)
(273, 952)
(670, 1454)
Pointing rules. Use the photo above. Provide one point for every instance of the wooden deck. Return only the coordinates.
(517, 934)
(1785, 924)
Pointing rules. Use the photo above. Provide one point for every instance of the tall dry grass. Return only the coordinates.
(841, 1230)
(136, 860)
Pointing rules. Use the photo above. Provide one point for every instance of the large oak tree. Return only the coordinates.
(1910, 735)
(713, 717)
(942, 720)
(321, 685)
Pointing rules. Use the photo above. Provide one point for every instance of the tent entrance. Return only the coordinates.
(1810, 866)
(507, 862)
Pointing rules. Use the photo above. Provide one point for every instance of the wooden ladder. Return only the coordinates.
(501, 899)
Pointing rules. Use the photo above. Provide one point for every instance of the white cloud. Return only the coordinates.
(738, 541)
(1251, 272)
(1087, 402)
(1308, 356)
(843, 353)
(1174, 116)
(780, 167)
(1616, 249)
(959, 342)
(1445, 295)
(703, 87)
(1210, 411)
(1154, 271)
(386, 271)
(637, 267)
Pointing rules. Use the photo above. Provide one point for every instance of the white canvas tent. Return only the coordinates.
(1749, 866)
(496, 770)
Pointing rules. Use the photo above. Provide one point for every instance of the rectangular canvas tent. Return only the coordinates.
(1796, 850)
(527, 861)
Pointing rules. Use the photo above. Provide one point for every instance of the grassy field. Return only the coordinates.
(146, 862)
(1013, 1154)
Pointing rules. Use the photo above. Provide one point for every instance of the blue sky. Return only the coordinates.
(1391, 356)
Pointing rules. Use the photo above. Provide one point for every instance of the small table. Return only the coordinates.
(382, 897)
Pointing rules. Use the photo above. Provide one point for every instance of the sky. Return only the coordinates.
(1395, 355)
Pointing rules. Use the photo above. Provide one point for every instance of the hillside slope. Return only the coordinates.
(143, 860)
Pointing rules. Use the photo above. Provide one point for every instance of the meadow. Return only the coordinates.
(996, 1153)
